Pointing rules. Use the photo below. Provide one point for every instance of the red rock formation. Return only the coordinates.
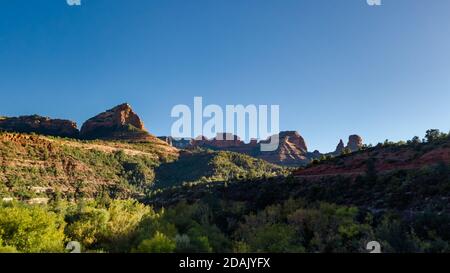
(221, 141)
(39, 125)
(199, 141)
(355, 143)
(253, 142)
(292, 150)
(224, 140)
(119, 122)
(295, 140)
(340, 147)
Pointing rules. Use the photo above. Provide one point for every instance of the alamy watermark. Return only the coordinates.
(73, 2)
(374, 2)
(190, 124)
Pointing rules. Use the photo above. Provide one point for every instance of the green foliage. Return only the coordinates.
(87, 226)
(30, 229)
(211, 166)
(160, 243)
(434, 135)
(273, 214)
(274, 238)
(110, 228)
(346, 151)
(6, 249)
(292, 226)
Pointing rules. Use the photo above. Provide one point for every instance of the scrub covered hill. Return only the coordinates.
(413, 176)
(213, 166)
(406, 210)
(33, 166)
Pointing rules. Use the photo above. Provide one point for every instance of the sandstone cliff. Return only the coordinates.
(355, 142)
(340, 147)
(118, 123)
(292, 150)
(39, 125)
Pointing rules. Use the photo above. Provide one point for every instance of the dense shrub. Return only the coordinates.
(30, 229)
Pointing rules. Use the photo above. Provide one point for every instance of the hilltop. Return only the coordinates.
(292, 150)
(121, 123)
(117, 123)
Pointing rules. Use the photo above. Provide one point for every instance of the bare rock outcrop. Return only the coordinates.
(340, 147)
(355, 143)
(180, 143)
(292, 149)
(39, 125)
(119, 123)
(221, 141)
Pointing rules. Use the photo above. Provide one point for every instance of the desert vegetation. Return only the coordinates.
(209, 201)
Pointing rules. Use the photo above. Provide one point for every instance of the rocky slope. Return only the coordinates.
(118, 123)
(35, 167)
(292, 150)
(31, 163)
(39, 125)
(381, 159)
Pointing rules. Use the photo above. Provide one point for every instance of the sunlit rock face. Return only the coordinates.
(39, 125)
(120, 122)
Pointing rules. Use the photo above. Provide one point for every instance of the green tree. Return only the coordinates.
(124, 218)
(432, 135)
(31, 229)
(160, 243)
(277, 238)
(87, 226)
(7, 249)
(416, 140)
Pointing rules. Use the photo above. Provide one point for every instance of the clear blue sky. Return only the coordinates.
(334, 67)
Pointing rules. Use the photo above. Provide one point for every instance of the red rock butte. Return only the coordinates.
(120, 122)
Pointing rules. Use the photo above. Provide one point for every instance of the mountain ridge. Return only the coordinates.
(121, 123)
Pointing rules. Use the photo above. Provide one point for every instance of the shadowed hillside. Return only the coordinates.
(411, 176)
(212, 166)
